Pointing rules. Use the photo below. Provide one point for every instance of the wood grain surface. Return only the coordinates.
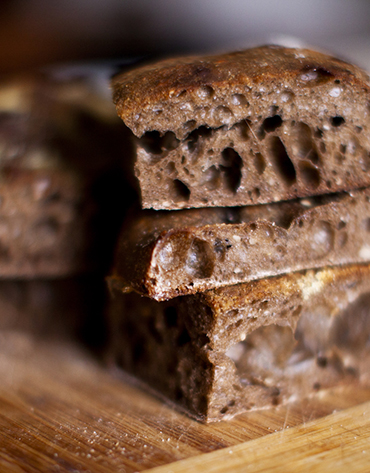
(61, 410)
(337, 443)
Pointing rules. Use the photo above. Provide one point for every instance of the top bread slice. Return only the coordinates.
(254, 126)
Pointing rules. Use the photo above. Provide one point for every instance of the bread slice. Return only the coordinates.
(255, 126)
(58, 175)
(253, 345)
(166, 254)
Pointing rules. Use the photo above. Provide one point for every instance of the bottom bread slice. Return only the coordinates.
(222, 352)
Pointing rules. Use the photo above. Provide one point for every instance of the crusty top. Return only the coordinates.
(163, 96)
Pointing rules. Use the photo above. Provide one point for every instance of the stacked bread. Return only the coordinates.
(255, 263)
(56, 187)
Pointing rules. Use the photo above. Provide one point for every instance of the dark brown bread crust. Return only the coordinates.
(137, 94)
(225, 351)
(166, 254)
(256, 126)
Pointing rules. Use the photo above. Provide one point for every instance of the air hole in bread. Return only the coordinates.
(281, 161)
(272, 123)
(155, 144)
(200, 260)
(260, 133)
(235, 325)
(309, 174)
(170, 167)
(321, 238)
(259, 163)
(257, 192)
(181, 191)
(319, 75)
(287, 96)
(341, 225)
(190, 125)
(205, 92)
(339, 158)
(337, 121)
(169, 141)
(231, 167)
(220, 248)
(303, 145)
(211, 178)
(223, 115)
(151, 142)
(239, 99)
(243, 127)
(193, 137)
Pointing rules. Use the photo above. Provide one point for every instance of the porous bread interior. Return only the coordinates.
(258, 126)
(267, 157)
(223, 352)
(163, 255)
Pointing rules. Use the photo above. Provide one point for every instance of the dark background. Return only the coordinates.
(39, 32)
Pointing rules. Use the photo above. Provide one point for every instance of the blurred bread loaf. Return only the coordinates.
(59, 174)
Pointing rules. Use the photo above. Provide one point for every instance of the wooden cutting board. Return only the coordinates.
(62, 411)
